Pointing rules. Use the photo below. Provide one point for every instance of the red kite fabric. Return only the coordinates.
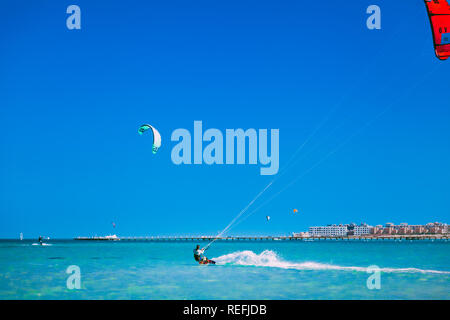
(439, 14)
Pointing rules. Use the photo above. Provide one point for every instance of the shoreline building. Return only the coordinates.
(340, 230)
(362, 229)
(405, 229)
(389, 228)
(330, 230)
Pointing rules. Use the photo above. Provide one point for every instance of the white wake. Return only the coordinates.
(269, 258)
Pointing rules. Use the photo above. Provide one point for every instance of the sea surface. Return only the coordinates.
(244, 270)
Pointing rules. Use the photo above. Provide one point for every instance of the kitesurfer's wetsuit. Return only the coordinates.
(40, 240)
(198, 255)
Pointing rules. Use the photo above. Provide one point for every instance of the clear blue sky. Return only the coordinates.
(71, 161)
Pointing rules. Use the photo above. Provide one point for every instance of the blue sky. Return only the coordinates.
(71, 161)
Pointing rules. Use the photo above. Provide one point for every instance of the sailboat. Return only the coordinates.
(21, 236)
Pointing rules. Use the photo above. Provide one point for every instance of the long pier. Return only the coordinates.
(268, 238)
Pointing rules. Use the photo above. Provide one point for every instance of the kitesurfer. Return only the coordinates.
(200, 258)
(198, 254)
(40, 240)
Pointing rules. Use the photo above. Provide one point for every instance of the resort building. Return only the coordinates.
(389, 228)
(327, 231)
(405, 229)
(377, 230)
(340, 230)
(301, 235)
(363, 229)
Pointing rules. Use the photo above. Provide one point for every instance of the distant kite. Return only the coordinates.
(439, 14)
(114, 225)
(156, 136)
(268, 218)
(295, 210)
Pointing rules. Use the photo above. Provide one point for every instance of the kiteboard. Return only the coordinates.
(205, 262)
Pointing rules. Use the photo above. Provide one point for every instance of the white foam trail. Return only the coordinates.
(269, 258)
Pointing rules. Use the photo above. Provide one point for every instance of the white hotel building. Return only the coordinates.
(339, 230)
(333, 230)
(360, 230)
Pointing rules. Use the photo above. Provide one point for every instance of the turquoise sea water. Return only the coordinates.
(244, 270)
